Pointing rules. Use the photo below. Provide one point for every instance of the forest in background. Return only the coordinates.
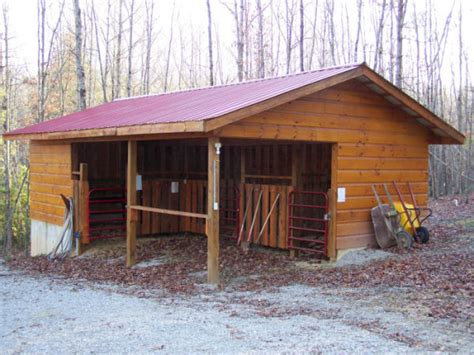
(89, 52)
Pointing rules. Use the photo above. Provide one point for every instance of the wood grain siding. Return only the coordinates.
(50, 176)
(377, 143)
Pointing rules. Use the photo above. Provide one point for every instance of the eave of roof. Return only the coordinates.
(204, 110)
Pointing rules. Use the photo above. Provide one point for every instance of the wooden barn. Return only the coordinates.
(284, 162)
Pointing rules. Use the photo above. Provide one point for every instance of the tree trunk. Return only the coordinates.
(401, 11)
(379, 37)
(80, 80)
(261, 55)
(301, 35)
(149, 42)
(209, 32)
(6, 144)
(118, 55)
(130, 49)
(289, 34)
(168, 56)
(41, 9)
(240, 39)
(359, 28)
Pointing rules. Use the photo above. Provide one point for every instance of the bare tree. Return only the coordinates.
(41, 9)
(116, 79)
(5, 76)
(130, 48)
(359, 29)
(313, 34)
(331, 29)
(80, 84)
(168, 56)
(44, 59)
(102, 61)
(260, 49)
(289, 15)
(379, 36)
(301, 35)
(401, 11)
(209, 33)
(149, 21)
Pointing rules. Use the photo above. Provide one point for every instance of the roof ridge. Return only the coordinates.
(355, 64)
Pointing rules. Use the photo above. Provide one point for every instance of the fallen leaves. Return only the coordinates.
(437, 276)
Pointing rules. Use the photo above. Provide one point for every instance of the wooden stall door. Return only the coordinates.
(266, 214)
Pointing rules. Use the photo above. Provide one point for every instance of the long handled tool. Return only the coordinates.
(247, 207)
(391, 218)
(254, 217)
(267, 219)
(410, 216)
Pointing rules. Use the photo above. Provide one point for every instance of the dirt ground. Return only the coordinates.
(371, 300)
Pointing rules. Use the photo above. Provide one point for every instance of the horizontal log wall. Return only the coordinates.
(50, 176)
(377, 143)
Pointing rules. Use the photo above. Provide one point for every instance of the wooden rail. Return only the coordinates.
(166, 211)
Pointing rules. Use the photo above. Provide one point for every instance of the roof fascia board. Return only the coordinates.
(412, 104)
(235, 116)
(120, 132)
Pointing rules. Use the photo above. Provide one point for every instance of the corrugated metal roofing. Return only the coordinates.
(182, 106)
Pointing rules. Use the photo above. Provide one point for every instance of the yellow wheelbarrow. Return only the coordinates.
(387, 223)
(398, 222)
(410, 216)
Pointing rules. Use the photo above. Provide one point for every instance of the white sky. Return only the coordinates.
(23, 22)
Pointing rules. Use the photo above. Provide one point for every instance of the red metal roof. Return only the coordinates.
(181, 106)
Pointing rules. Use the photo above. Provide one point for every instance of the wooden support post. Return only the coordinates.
(332, 197)
(295, 167)
(242, 164)
(242, 205)
(213, 212)
(131, 200)
(83, 208)
(333, 204)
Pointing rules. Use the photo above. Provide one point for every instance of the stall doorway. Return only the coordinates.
(283, 193)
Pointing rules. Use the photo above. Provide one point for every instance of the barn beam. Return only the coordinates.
(131, 201)
(212, 227)
(332, 193)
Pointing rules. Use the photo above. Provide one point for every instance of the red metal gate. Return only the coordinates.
(308, 222)
(106, 212)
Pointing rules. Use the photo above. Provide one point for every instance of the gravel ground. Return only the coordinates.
(46, 315)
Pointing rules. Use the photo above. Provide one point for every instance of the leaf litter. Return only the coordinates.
(436, 278)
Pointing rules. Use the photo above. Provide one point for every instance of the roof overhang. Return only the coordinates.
(445, 132)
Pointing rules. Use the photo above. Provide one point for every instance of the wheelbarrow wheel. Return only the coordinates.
(404, 240)
(423, 234)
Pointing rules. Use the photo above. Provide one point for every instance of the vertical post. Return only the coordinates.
(213, 210)
(131, 200)
(84, 208)
(295, 163)
(242, 188)
(333, 203)
(242, 164)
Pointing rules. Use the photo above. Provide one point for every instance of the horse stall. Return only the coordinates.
(273, 194)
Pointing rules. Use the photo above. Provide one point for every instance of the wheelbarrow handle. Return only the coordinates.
(418, 211)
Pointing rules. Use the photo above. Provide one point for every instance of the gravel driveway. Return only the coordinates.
(45, 315)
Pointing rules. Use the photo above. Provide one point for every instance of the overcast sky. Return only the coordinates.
(23, 23)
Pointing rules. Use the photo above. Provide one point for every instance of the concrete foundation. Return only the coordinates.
(44, 237)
